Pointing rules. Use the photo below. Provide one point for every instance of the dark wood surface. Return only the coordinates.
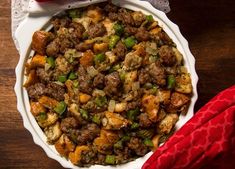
(209, 26)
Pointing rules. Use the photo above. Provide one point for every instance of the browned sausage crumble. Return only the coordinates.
(106, 84)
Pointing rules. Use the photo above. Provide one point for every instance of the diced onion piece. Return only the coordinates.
(104, 121)
(47, 66)
(111, 106)
(78, 54)
(98, 92)
(59, 83)
(92, 71)
(110, 55)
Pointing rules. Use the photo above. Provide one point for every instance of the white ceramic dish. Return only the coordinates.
(31, 24)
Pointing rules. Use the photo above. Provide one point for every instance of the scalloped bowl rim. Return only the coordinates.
(31, 24)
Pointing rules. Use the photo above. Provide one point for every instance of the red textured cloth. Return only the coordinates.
(207, 141)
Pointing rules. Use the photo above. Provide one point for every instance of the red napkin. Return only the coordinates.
(207, 141)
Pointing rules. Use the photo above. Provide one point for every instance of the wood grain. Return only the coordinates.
(209, 26)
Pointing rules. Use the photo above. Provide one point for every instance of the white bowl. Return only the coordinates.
(24, 36)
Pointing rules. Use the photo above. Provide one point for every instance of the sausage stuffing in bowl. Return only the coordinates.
(104, 84)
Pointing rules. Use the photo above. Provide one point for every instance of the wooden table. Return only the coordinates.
(209, 26)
